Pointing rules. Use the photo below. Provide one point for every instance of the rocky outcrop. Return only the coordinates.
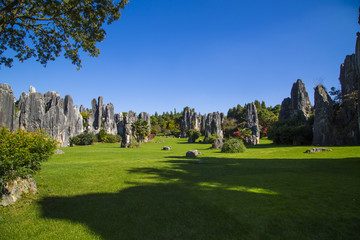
(110, 125)
(346, 127)
(102, 117)
(252, 123)
(82, 109)
(213, 125)
(299, 103)
(338, 123)
(323, 121)
(7, 107)
(16, 188)
(191, 120)
(48, 112)
(127, 135)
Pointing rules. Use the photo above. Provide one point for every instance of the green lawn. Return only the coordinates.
(269, 192)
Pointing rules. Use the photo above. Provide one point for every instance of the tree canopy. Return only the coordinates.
(43, 28)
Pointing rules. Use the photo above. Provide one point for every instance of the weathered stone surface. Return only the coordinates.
(57, 116)
(74, 120)
(213, 125)
(299, 103)
(192, 153)
(102, 116)
(109, 119)
(346, 126)
(218, 143)
(82, 109)
(16, 188)
(348, 76)
(323, 121)
(127, 135)
(252, 123)
(32, 111)
(203, 124)
(191, 120)
(315, 150)
(7, 107)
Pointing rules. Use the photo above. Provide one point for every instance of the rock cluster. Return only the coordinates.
(127, 135)
(101, 117)
(57, 116)
(252, 123)
(338, 123)
(298, 103)
(213, 125)
(14, 189)
(191, 120)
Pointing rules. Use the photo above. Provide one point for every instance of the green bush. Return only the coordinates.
(294, 131)
(233, 146)
(211, 139)
(193, 135)
(22, 152)
(102, 136)
(82, 139)
(111, 138)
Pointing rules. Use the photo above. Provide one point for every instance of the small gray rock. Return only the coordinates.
(315, 150)
(193, 153)
(58, 151)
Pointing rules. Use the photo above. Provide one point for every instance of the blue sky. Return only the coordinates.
(206, 54)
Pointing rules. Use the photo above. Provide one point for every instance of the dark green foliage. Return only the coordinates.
(111, 138)
(336, 94)
(140, 129)
(22, 152)
(233, 146)
(267, 116)
(211, 139)
(86, 115)
(82, 139)
(42, 29)
(193, 135)
(102, 136)
(166, 124)
(294, 131)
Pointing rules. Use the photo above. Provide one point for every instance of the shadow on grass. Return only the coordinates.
(224, 199)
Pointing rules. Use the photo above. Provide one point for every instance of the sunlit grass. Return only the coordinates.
(268, 192)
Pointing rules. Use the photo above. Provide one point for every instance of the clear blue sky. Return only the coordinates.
(206, 54)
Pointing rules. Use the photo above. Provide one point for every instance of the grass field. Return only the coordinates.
(268, 192)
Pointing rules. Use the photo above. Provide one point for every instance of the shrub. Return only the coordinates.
(233, 146)
(211, 139)
(82, 139)
(22, 152)
(111, 138)
(193, 135)
(294, 131)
